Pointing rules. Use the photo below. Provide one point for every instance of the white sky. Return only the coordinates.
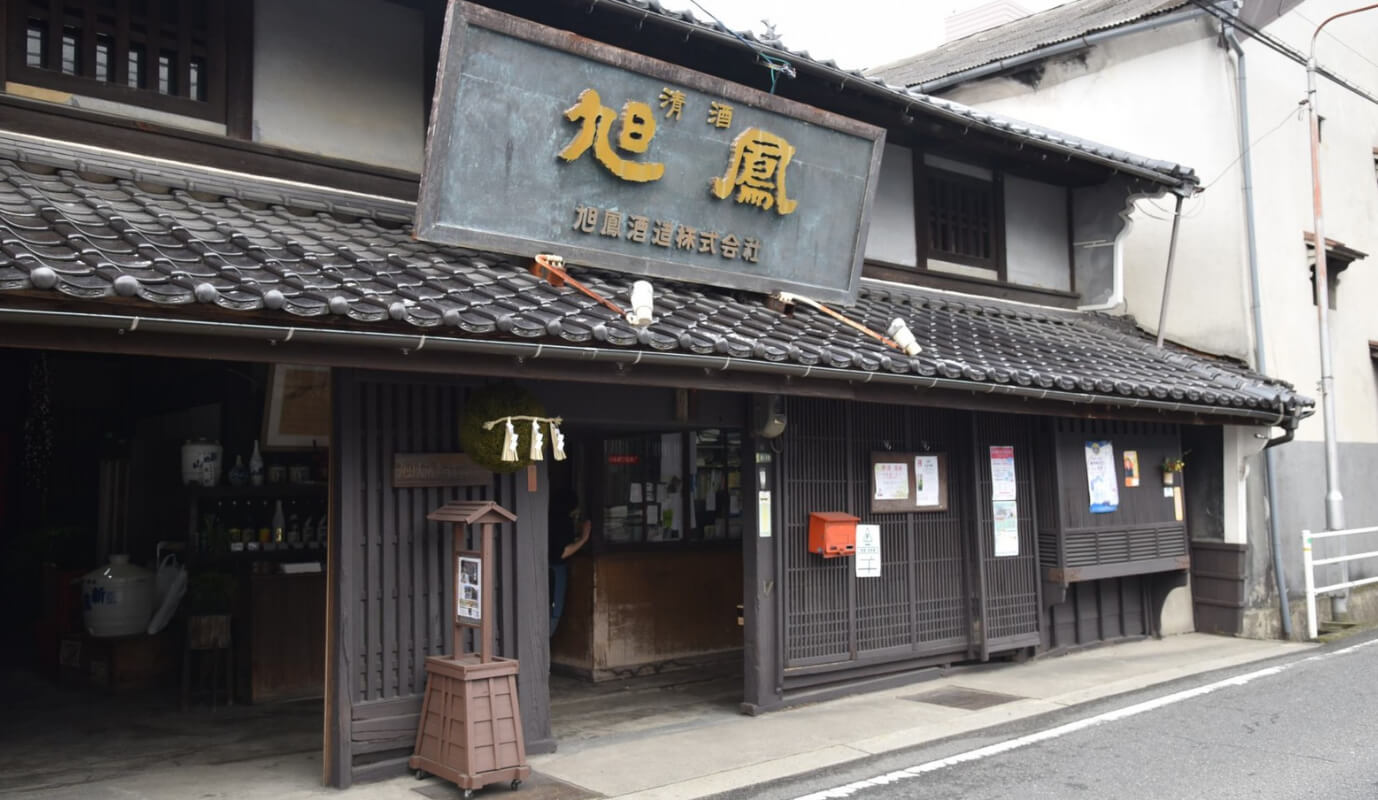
(855, 33)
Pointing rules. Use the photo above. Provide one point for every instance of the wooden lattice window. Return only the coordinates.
(167, 55)
(962, 223)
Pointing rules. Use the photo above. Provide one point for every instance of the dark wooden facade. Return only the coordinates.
(811, 626)
(391, 572)
(1141, 536)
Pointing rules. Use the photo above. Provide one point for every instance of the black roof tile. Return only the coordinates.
(89, 238)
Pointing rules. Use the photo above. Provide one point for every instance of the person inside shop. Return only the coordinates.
(570, 529)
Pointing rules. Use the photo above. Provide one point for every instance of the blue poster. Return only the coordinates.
(1100, 477)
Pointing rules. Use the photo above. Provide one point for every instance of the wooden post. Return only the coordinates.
(457, 537)
(485, 644)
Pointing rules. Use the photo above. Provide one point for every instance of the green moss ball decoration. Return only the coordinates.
(490, 402)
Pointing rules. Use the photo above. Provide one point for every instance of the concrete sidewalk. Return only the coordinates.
(694, 755)
(733, 751)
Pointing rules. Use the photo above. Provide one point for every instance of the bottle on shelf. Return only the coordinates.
(265, 528)
(293, 527)
(256, 467)
(279, 524)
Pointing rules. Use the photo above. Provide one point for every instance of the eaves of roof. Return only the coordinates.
(1063, 23)
(188, 250)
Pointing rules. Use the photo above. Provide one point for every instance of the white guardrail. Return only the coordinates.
(1309, 565)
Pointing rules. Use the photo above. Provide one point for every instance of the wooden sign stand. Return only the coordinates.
(471, 725)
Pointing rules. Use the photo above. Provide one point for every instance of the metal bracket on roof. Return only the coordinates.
(551, 268)
(781, 301)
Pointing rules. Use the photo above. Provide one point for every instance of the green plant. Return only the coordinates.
(1175, 463)
(211, 593)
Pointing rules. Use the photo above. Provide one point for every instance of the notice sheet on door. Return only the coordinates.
(1002, 481)
(1006, 516)
(867, 557)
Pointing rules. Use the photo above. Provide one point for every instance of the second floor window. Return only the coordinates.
(961, 219)
(167, 55)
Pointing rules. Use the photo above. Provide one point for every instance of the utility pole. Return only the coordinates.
(1334, 500)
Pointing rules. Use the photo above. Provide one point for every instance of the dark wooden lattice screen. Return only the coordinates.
(919, 606)
(1010, 614)
(162, 54)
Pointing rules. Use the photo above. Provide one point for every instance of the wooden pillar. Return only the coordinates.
(528, 639)
(761, 634)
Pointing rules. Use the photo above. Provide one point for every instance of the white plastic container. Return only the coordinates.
(117, 598)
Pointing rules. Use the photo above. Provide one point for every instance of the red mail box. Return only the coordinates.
(832, 533)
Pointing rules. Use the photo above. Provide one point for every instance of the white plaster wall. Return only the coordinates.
(340, 78)
(1170, 94)
(891, 236)
(1239, 444)
(1152, 93)
(1036, 252)
(1350, 194)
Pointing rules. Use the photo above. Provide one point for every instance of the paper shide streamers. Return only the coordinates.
(537, 448)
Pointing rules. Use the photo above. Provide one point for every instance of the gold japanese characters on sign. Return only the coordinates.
(757, 159)
(757, 171)
(672, 100)
(638, 126)
(641, 229)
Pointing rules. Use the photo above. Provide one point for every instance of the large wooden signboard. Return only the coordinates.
(545, 142)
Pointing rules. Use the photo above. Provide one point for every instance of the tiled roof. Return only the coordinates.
(295, 259)
(1166, 172)
(1058, 24)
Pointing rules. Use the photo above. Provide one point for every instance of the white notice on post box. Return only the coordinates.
(763, 513)
(868, 551)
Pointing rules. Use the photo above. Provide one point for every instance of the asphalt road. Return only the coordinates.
(1299, 727)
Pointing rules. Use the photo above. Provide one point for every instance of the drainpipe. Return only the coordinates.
(1270, 489)
(1334, 500)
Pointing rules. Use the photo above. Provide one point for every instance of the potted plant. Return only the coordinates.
(1172, 466)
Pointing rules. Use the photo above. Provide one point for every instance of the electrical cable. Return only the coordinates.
(775, 65)
(1345, 44)
(1197, 208)
(1281, 47)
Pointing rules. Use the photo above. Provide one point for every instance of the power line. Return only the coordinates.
(1199, 207)
(1345, 44)
(1281, 47)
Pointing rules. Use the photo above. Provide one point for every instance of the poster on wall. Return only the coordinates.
(1131, 469)
(905, 482)
(867, 557)
(1005, 513)
(1002, 480)
(1100, 477)
(469, 603)
(891, 481)
(926, 482)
